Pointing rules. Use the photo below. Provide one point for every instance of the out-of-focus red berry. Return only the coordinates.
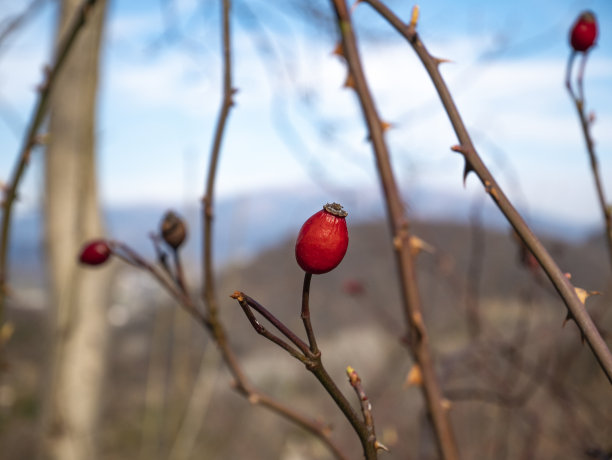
(584, 32)
(323, 240)
(353, 287)
(95, 252)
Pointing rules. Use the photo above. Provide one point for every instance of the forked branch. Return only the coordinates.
(473, 162)
(310, 356)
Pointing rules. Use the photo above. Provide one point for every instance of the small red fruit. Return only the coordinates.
(322, 241)
(584, 32)
(95, 252)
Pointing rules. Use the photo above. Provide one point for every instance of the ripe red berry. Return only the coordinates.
(322, 241)
(95, 252)
(584, 32)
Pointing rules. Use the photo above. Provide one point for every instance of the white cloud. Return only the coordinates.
(170, 80)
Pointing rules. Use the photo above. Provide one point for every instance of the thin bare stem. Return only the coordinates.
(209, 296)
(399, 225)
(585, 124)
(179, 272)
(366, 406)
(568, 74)
(162, 256)
(368, 444)
(130, 256)
(306, 313)
(473, 162)
(30, 140)
(278, 324)
(261, 330)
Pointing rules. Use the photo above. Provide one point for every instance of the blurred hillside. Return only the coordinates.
(523, 388)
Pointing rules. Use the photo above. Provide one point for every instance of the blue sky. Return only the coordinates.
(294, 126)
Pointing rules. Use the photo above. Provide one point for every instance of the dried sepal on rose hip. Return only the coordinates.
(584, 32)
(173, 230)
(95, 252)
(322, 241)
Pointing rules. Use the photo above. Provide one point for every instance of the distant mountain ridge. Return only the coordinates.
(247, 224)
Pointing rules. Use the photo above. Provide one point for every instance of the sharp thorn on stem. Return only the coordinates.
(414, 17)
(466, 170)
(380, 446)
(339, 50)
(350, 81)
(439, 61)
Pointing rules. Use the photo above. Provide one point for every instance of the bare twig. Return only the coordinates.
(585, 123)
(11, 25)
(242, 384)
(31, 139)
(247, 303)
(181, 281)
(366, 406)
(130, 256)
(306, 313)
(418, 337)
(312, 361)
(474, 163)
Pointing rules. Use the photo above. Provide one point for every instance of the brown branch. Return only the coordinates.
(261, 330)
(278, 324)
(242, 385)
(314, 364)
(585, 124)
(130, 256)
(418, 337)
(31, 139)
(181, 281)
(473, 162)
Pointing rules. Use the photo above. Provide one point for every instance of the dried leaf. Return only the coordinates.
(417, 245)
(414, 377)
(6, 332)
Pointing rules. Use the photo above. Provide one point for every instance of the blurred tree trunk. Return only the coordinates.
(78, 295)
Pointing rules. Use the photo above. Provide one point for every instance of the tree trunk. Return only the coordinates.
(78, 295)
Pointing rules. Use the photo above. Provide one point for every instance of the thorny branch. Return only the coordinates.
(31, 139)
(418, 337)
(473, 162)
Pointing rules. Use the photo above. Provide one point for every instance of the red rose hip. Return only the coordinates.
(584, 32)
(95, 252)
(322, 241)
